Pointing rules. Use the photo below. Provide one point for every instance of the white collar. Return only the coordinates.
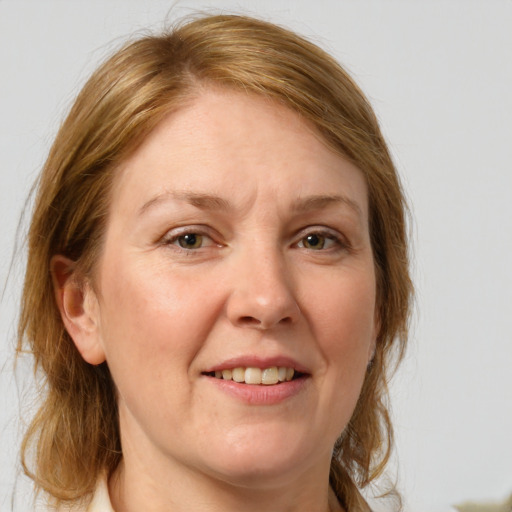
(101, 499)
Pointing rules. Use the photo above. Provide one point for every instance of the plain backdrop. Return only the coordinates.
(439, 74)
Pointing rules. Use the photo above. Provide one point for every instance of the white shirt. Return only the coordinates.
(101, 499)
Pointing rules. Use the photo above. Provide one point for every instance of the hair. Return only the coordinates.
(74, 437)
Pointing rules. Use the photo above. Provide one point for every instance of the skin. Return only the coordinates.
(161, 314)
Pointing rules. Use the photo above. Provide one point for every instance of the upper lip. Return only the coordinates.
(254, 361)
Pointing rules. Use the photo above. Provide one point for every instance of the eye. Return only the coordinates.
(189, 241)
(313, 241)
(318, 241)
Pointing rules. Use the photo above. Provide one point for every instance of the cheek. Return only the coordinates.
(344, 315)
(345, 329)
(152, 326)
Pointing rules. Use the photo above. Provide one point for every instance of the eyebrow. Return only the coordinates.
(212, 202)
(201, 201)
(318, 202)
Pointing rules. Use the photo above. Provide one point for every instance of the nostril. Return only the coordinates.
(262, 301)
(255, 322)
(249, 320)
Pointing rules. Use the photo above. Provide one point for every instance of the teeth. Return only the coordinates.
(255, 376)
(238, 374)
(269, 376)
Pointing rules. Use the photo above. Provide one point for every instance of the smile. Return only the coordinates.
(256, 376)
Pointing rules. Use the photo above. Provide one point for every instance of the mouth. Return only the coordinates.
(271, 376)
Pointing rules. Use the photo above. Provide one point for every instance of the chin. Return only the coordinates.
(259, 475)
(265, 461)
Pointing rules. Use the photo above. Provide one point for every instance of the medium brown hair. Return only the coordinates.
(75, 435)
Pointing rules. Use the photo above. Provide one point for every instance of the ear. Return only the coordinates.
(78, 308)
(371, 353)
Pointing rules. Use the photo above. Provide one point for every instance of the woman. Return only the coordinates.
(217, 280)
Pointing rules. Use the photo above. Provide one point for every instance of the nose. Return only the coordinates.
(262, 295)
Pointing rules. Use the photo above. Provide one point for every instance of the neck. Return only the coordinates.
(184, 490)
(153, 480)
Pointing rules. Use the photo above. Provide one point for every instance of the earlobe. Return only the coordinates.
(78, 308)
(371, 352)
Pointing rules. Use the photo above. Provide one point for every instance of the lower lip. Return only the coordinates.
(260, 394)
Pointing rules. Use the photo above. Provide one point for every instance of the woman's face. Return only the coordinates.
(237, 244)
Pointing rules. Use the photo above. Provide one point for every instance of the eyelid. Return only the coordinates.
(329, 233)
(172, 235)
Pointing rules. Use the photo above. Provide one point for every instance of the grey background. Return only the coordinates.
(439, 74)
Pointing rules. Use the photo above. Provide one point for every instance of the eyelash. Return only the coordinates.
(172, 238)
(337, 243)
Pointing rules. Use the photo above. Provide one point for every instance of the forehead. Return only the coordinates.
(237, 145)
